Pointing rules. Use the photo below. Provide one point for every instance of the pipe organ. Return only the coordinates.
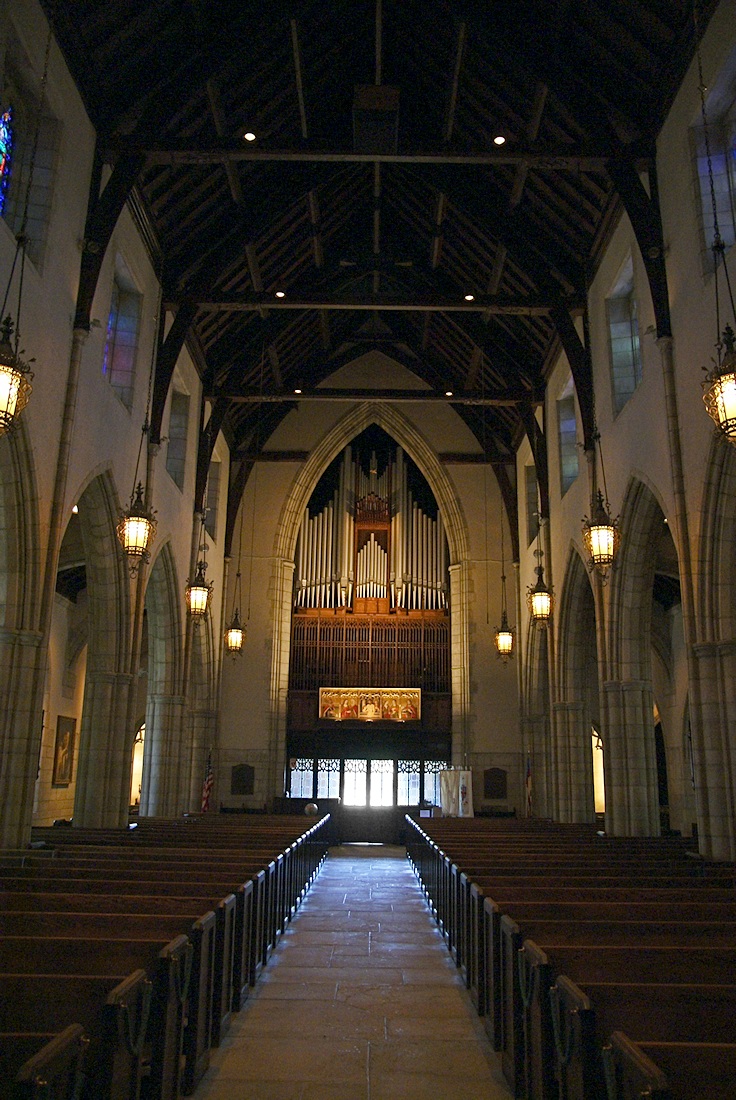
(372, 548)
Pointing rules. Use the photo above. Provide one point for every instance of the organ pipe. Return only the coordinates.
(412, 572)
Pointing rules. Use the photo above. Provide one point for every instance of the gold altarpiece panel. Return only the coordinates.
(370, 704)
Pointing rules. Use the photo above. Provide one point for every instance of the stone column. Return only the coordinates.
(539, 744)
(575, 801)
(459, 660)
(632, 799)
(104, 758)
(715, 752)
(22, 661)
(284, 582)
(202, 734)
(161, 792)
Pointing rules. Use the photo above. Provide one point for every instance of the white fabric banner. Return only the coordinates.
(465, 801)
(456, 793)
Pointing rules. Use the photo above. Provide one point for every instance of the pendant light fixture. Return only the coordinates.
(600, 533)
(504, 634)
(235, 633)
(137, 527)
(15, 371)
(199, 590)
(540, 599)
(719, 384)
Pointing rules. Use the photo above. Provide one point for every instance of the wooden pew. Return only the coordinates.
(693, 1070)
(181, 971)
(239, 923)
(655, 992)
(136, 925)
(672, 1016)
(648, 876)
(34, 1065)
(112, 1011)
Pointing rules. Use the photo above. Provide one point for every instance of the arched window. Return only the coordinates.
(6, 153)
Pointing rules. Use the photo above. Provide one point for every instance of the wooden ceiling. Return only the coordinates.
(374, 224)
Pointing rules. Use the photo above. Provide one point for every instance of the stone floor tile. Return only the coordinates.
(360, 1001)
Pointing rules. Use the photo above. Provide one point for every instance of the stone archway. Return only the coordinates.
(405, 433)
(104, 749)
(578, 707)
(22, 661)
(161, 787)
(632, 804)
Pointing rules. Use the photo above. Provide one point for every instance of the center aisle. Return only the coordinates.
(361, 1000)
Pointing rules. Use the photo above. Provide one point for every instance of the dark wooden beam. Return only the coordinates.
(514, 306)
(646, 220)
(538, 444)
(254, 396)
(510, 500)
(102, 215)
(560, 158)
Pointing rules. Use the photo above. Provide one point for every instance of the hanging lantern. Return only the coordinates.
(198, 593)
(235, 635)
(720, 388)
(15, 376)
(540, 599)
(504, 634)
(137, 529)
(504, 638)
(601, 537)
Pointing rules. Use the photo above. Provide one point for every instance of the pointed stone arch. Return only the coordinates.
(22, 661)
(103, 756)
(407, 435)
(577, 706)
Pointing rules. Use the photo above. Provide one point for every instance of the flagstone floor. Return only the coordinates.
(360, 1001)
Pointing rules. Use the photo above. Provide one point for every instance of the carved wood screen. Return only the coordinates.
(369, 651)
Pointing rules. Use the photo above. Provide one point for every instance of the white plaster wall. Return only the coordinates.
(49, 295)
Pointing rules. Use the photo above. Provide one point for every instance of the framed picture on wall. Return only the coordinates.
(64, 751)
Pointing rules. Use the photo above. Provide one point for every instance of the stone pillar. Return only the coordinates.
(162, 794)
(22, 662)
(539, 745)
(460, 660)
(715, 752)
(575, 801)
(104, 757)
(281, 604)
(202, 734)
(632, 800)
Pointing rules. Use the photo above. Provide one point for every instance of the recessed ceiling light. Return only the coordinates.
(249, 135)
(470, 297)
(499, 139)
(280, 294)
(297, 389)
(448, 393)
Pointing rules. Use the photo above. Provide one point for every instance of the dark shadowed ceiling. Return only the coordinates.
(373, 196)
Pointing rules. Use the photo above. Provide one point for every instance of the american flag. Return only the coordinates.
(209, 782)
(529, 784)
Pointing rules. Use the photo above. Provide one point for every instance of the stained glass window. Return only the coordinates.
(6, 153)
